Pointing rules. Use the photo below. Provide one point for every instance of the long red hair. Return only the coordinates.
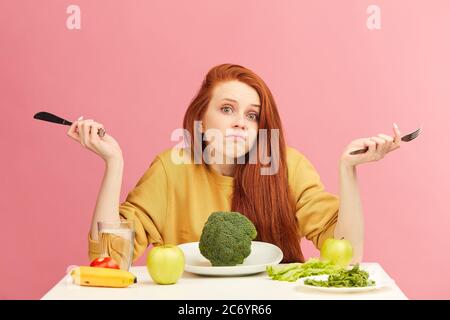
(265, 199)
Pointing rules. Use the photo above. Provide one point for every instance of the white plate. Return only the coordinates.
(379, 283)
(262, 255)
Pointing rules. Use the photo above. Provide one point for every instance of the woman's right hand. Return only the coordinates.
(85, 132)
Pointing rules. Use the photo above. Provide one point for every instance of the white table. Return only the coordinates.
(193, 287)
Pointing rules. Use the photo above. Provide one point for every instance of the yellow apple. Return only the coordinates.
(338, 252)
(165, 264)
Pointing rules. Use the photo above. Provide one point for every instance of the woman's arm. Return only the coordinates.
(107, 206)
(85, 132)
(350, 224)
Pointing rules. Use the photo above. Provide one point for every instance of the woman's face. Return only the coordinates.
(233, 114)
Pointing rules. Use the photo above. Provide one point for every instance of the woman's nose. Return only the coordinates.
(239, 122)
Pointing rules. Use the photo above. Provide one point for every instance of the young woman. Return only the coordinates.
(172, 200)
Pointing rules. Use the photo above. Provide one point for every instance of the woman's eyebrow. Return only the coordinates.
(232, 100)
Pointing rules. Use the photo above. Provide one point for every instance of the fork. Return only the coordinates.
(406, 138)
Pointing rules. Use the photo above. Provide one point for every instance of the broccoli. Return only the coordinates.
(226, 238)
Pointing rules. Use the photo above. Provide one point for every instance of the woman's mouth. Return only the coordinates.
(236, 137)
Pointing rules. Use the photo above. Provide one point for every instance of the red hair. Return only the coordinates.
(265, 199)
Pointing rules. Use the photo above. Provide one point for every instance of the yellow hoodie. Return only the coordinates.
(171, 203)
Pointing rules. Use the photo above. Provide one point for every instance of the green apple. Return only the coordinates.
(165, 264)
(338, 252)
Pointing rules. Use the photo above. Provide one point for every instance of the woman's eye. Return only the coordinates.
(226, 109)
(253, 116)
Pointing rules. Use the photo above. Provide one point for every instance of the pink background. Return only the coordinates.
(135, 66)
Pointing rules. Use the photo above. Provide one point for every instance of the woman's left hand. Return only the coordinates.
(379, 146)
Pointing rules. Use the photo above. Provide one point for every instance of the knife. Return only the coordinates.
(50, 117)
